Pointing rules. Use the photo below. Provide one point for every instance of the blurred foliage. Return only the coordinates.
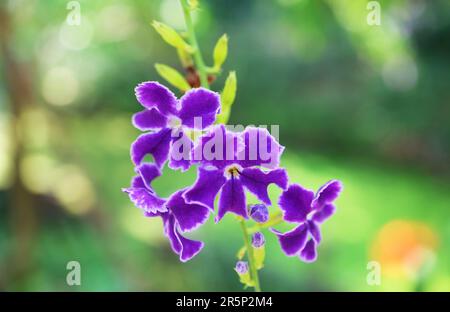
(368, 105)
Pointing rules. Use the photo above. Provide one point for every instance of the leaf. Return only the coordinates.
(171, 36)
(220, 52)
(172, 76)
(227, 97)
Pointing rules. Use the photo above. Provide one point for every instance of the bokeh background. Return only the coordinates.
(369, 105)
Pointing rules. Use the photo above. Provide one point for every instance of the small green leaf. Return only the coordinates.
(227, 97)
(171, 36)
(259, 254)
(172, 76)
(220, 52)
(241, 253)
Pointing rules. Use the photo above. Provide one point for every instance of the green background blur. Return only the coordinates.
(369, 105)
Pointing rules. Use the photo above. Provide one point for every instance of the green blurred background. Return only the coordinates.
(369, 105)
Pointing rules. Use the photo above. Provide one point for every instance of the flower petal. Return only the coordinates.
(146, 200)
(149, 119)
(260, 149)
(180, 151)
(148, 172)
(153, 94)
(314, 230)
(137, 181)
(188, 216)
(295, 203)
(327, 194)
(257, 181)
(190, 248)
(232, 199)
(171, 232)
(293, 241)
(199, 105)
(218, 147)
(309, 253)
(205, 189)
(157, 144)
(184, 247)
(324, 213)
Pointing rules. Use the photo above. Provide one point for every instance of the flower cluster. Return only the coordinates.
(228, 165)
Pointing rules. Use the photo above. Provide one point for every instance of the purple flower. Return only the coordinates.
(241, 267)
(177, 215)
(167, 117)
(259, 213)
(301, 206)
(229, 162)
(258, 240)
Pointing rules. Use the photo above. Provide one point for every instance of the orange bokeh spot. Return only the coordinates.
(402, 247)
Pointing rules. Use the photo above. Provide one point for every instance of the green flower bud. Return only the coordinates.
(171, 36)
(172, 76)
(220, 52)
(227, 97)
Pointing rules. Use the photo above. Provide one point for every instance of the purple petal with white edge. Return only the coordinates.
(154, 214)
(190, 248)
(153, 94)
(295, 203)
(199, 104)
(148, 173)
(205, 189)
(314, 230)
(324, 213)
(232, 199)
(137, 182)
(218, 147)
(293, 241)
(156, 144)
(309, 253)
(260, 149)
(257, 181)
(184, 247)
(188, 216)
(145, 200)
(180, 151)
(149, 119)
(327, 194)
(171, 232)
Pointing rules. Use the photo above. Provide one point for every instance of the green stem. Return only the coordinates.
(200, 64)
(250, 256)
(274, 219)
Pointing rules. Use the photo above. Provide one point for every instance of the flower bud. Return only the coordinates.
(258, 240)
(241, 267)
(220, 52)
(172, 76)
(259, 213)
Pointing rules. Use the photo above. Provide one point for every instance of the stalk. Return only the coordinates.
(250, 256)
(200, 64)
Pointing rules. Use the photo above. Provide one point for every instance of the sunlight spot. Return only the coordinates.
(60, 86)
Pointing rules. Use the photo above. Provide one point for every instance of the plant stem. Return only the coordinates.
(251, 259)
(200, 64)
(275, 219)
